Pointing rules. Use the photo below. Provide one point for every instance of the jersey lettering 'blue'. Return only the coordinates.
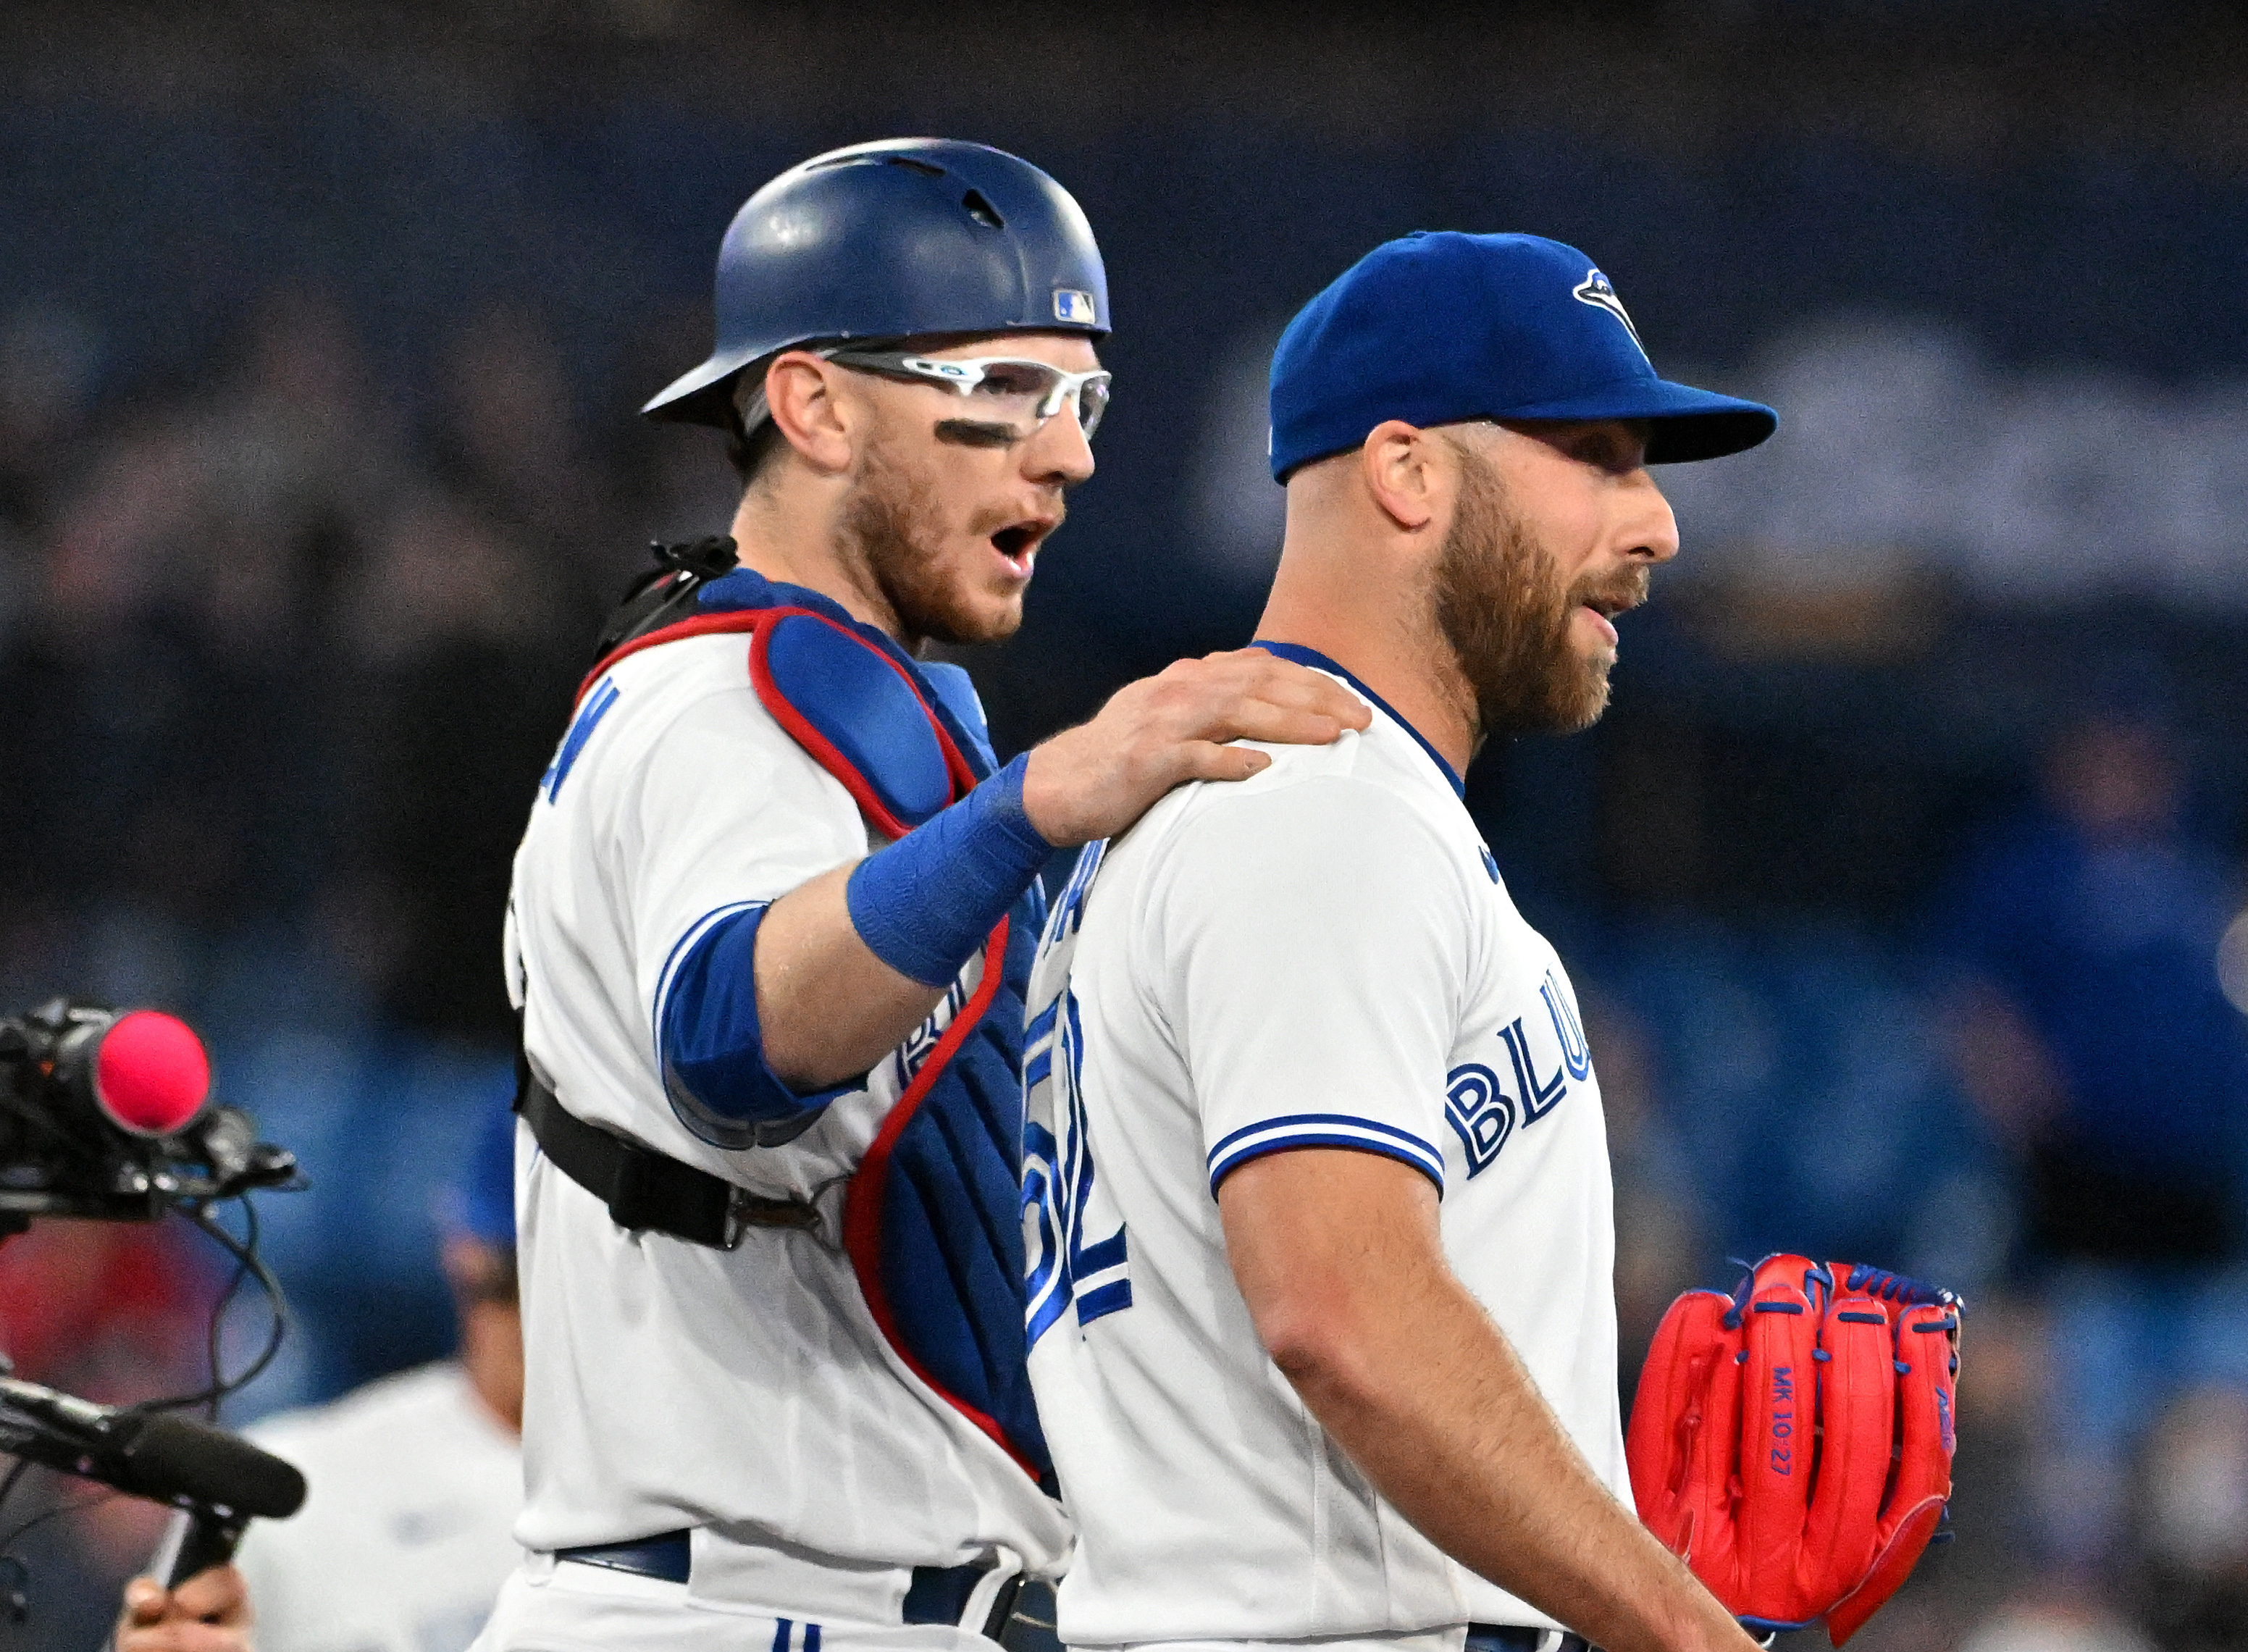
(1480, 1112)
(1477, 1104)
(581, 730)
(1576, 1055)
(1539, 1096)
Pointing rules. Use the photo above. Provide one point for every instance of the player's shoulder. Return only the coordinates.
(697, 689)
(662, 680)
(1318, 815)
(1384, 771)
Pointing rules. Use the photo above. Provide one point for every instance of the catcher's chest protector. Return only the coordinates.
(931, 1220)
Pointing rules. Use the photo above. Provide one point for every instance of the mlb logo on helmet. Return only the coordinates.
(1073, 306)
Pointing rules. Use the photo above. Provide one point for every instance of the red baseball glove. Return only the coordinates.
(1792, 1442)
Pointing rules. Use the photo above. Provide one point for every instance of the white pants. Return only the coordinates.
(550, 1606)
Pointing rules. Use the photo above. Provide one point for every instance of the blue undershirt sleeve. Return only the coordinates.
(713, 1050)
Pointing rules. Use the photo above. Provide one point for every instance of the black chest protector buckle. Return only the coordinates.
(666, 591)
(646, 1192)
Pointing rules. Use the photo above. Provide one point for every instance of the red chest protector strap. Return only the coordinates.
(856, 712)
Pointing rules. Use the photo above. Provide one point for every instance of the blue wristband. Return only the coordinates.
(925, 904)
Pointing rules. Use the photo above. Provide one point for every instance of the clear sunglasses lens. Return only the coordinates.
(1029, 393)
(1091, 402)
(1017, 389)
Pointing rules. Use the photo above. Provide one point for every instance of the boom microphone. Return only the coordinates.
(151, 1454)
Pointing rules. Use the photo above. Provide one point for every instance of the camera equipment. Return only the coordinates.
(149, 1454)
(105, 1114)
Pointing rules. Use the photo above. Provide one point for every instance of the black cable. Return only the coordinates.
(214, 1328)
(245, 1253)
(213, 1333)
(45, 1515)
(13, 1478)
(248, 1264)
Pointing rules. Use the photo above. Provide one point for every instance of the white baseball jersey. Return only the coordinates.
(1320, 957)
(750, 1394)
(411, 1487)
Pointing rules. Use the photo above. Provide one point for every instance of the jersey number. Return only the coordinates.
(1058, 1183)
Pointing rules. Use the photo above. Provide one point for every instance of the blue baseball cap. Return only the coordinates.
(481, 1204)
(1440, 326)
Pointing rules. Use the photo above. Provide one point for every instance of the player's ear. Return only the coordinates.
(1404, 473)
(804, 395)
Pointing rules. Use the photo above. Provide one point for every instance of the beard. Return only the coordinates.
(1501, 606)
(896, 531)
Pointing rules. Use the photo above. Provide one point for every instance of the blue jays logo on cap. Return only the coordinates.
(1595, 290)
(1073, 306)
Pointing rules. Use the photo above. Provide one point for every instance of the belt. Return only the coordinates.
(664, 1556)
(940, 1595)
(1516, 1637)
(937, 1595)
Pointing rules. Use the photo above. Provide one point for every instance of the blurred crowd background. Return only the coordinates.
(1902, 883)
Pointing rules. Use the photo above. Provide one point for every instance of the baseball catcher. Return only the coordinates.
(770, 933)
(1792, 1442)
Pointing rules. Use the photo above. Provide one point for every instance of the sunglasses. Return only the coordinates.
(1011, 389)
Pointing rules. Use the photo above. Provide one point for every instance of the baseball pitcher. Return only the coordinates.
(1316, 1214)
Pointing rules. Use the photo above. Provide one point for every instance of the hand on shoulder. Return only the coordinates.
(1095, 780)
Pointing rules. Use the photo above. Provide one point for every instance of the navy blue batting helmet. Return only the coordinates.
(894, 240)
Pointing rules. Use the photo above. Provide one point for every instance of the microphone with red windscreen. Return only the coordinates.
(107, 1114)
(147, 1071)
